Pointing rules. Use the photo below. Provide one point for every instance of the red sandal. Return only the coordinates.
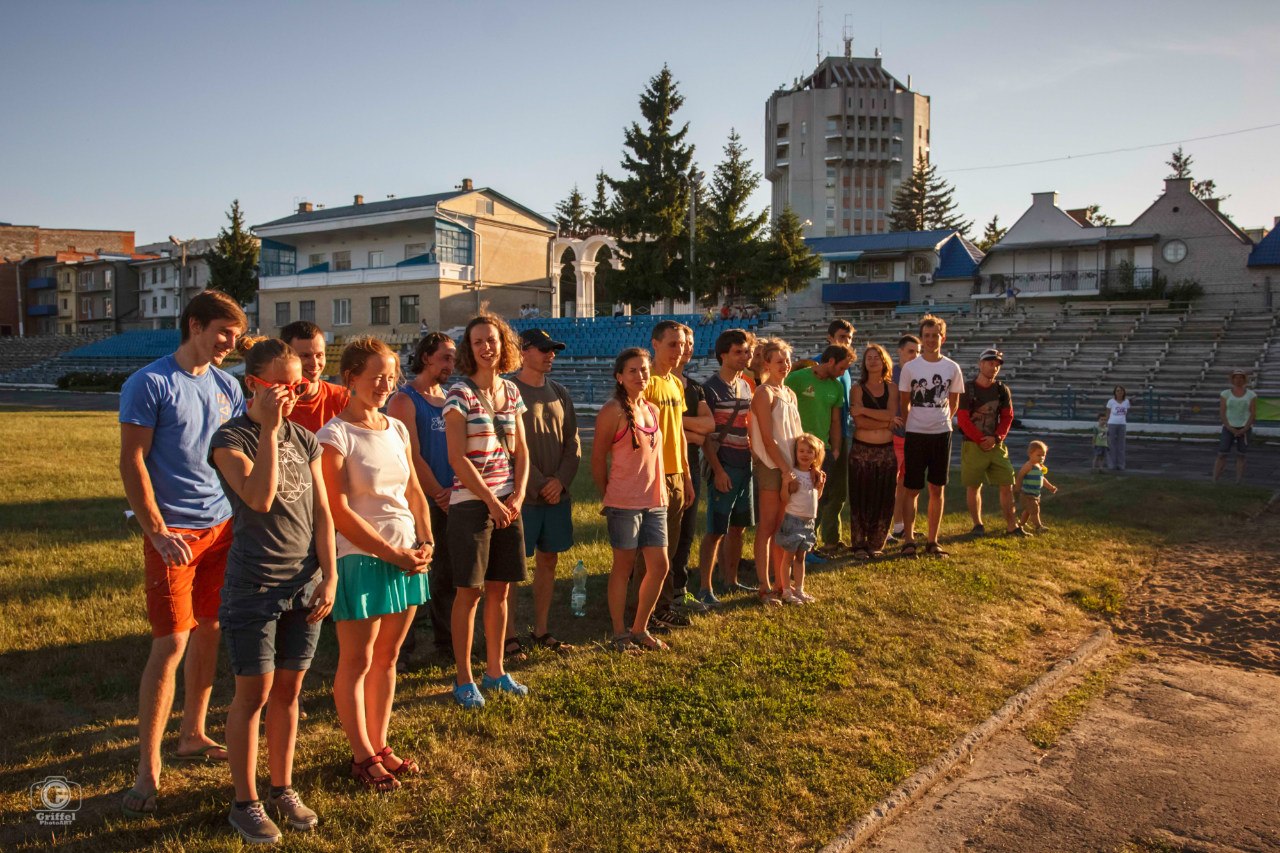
(408, 767)
(379, 784)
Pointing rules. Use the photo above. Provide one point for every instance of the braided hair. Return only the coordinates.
(620, 393)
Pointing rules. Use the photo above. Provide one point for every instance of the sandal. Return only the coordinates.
(408, 767)
(768, 599)
(378, 784)
(649, 643)
(624, 644)
(139, 803)
(513, 650)
(550, 643)
(201, 754)
(861, 554)
(909, 551)
(932, 549)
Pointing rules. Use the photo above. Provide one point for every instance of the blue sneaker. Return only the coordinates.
(504, 683)
(708, 598)
(468, 695)
(813, 558)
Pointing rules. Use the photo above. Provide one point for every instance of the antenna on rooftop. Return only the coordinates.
(819, 33)
(847, 35)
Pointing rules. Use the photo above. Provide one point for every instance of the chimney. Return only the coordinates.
(1212, 203)
(466, 185)
(359, 199)
(305, 207)
(1049, 198)
(1275, 223)
(1183, 184)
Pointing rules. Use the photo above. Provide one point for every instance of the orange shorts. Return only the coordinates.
(178, 596)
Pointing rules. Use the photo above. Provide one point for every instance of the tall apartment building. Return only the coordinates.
(839, 142)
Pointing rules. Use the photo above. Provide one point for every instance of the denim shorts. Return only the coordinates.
(734, 508)
(796, 534)
(266, 628)
(630, 529)
(1228, 439)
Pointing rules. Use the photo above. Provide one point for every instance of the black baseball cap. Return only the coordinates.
(540, 339)
(992, 354)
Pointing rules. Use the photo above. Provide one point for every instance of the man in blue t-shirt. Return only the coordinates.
(169, 411)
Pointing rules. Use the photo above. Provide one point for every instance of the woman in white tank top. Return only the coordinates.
(775, 425)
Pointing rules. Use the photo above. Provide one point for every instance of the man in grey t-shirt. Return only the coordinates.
(551, 430)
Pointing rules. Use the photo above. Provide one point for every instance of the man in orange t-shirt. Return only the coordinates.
(323, 399)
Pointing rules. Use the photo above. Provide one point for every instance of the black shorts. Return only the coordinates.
(479, 551)
(926, 453)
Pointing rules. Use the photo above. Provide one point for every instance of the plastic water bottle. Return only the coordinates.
(578, 598)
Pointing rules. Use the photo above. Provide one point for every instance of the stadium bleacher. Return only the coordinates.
(1060, 364)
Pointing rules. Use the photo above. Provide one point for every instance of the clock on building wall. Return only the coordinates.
(1174, 251)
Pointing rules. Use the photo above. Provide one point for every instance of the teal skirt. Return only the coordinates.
(368, 587)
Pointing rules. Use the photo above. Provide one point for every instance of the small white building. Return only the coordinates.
(166, 284)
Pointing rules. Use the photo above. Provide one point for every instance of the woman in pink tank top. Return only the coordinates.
(626, 463)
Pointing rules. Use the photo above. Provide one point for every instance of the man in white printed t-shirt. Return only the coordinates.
(929, 388)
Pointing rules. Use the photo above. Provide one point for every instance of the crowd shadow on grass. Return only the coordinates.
(74, 520)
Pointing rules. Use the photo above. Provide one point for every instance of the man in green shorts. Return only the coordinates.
(986, 413)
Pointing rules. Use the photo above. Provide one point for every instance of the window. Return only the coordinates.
(804, 128)
(86, 307)
(155, 305)
(342, 312)
(307, 310)
(155, 275)
(783, 130)
(375, 259)
(107, 307)
(64, 304)
(164, 275)
(380, 310)
(282, 314)
(277, 259)
(315, 260)
(108, 276)
(409, 309)
(919, 264)
(453, 244)
(341, 261)
(413, 250)
(484, 206)
(164, 301)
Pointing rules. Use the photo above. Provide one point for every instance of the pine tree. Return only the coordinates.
(598, 217)
(992, 234)
(791, 265)
(571, 215)
(1180, 163)
(1096, 217)
(926, 201)
(651, 201)
(233, 260)
(731, 257)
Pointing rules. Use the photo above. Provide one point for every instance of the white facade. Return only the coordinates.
(165, 285)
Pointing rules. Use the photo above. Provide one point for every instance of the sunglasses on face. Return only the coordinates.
(297, 389)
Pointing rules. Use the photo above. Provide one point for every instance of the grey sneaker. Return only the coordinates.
(253, 824)
(290, 809)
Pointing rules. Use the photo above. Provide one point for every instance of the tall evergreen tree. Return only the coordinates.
(731, 257)
(791, 265)
(992, 234)
(598, 216)
(571, 214)
(233, 260)
(926, 201)
(651, 200)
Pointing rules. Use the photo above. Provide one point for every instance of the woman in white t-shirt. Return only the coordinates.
(1117, 419)
(384, 548)
(1237, 408)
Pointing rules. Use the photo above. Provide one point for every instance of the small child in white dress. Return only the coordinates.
(797, 535)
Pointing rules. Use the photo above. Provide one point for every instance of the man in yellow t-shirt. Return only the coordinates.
(666, 393)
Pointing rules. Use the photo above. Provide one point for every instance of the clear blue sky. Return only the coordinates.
(153, 116)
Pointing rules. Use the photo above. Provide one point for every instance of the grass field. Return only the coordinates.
(762, 730)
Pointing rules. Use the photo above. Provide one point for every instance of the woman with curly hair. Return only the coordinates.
(490, 461)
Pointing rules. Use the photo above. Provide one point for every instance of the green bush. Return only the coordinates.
(92, 380)
(1186, 290)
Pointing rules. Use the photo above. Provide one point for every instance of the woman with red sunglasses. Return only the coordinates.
(280, 582)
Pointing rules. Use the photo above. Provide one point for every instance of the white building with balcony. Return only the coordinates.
(382, 267)
(166, 284)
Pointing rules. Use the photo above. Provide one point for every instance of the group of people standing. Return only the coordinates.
(364, 501)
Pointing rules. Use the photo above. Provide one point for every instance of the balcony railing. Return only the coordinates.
(42, 310)
(1122, 280)
(375, 275)
(41, 283)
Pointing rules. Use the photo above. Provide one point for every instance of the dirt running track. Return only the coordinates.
(1184, 753)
